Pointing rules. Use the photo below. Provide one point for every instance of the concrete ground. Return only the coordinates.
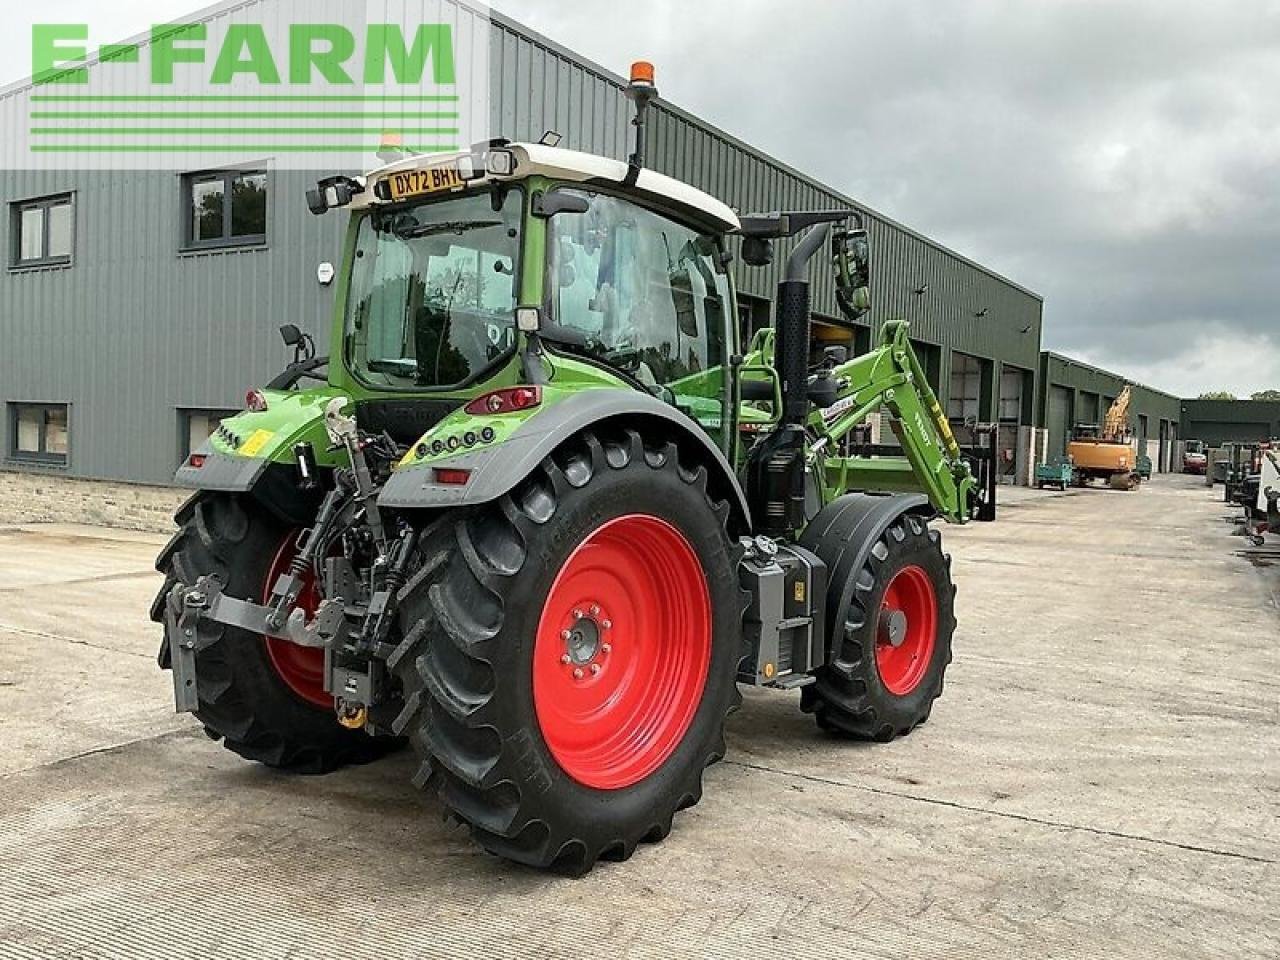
(1100, 779)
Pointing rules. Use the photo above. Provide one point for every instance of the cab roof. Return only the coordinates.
(534, 159)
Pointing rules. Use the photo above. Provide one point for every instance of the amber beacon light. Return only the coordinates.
(642, 72)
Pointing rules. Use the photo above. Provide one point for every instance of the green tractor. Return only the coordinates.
(541, 511)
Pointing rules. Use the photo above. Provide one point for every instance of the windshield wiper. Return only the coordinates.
(448, 226)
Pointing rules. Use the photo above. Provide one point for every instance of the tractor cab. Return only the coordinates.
(522, 262)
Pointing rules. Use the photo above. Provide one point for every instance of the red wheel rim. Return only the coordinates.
(906, 630)
(622, 650)
(301, 668)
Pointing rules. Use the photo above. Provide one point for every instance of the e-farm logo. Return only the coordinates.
(275, 88)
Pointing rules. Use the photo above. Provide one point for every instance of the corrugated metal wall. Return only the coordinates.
(1224, 421)
(1072, 392)
(134, 330)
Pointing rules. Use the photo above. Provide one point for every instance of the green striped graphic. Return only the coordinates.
(222, 115)
(233, 98)
(239, 131)
(225, 148)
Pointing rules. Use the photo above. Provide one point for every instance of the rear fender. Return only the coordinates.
(252, 452)
(495, 469)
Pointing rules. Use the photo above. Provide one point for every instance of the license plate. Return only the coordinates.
(416, 183)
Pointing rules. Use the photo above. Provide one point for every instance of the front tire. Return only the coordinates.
(263, 698)
(570, 653)
(893, 639)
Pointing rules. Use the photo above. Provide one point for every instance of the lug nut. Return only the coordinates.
(605, 647)
(606, 624)
(565, 659)
(565, 634)
(577, 673)
(595, 609)
(577, 614)
(595, 668)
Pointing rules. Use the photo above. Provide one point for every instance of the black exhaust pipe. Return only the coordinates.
(775, 467)
(791, 336)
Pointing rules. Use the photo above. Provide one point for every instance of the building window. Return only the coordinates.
(39, 432)
(224, 208)
(42, 231)
(197, 426)
(963, 401)
(1011, 380)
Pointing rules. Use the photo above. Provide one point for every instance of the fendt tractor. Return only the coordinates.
(542, 510)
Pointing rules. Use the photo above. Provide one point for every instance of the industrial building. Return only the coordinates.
(1072, 392)
(1230, 421)
(129, 336)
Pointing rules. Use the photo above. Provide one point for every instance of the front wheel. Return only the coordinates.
(570, 654)
(892, 640)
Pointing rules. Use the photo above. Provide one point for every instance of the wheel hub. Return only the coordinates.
(893, 628)
(584, 640)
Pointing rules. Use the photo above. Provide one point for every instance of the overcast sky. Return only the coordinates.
(1119, 157)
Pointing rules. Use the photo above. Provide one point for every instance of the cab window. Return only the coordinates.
(639, 291)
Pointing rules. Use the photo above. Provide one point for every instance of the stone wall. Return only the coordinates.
(30, 497)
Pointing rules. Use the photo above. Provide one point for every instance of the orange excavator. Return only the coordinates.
(1106, 452)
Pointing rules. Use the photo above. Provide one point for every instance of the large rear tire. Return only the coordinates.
(264, 699)
(893, 639)
(570, 653)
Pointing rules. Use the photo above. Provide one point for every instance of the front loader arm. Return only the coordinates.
(891, 376)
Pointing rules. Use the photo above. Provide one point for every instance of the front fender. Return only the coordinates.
(497, 468)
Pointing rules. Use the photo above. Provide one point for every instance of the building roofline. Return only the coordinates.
(1108, 373)
(664, 104)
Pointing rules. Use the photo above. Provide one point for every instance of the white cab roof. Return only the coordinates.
(533, 159)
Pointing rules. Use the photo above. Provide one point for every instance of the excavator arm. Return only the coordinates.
(1116, 427)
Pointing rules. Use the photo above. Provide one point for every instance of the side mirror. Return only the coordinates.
(851, 261)
(304, 347)
(757, 251)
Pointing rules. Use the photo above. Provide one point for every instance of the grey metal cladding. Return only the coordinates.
(496, 470)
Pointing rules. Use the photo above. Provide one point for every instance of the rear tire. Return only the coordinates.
(610, 556)
(245, 699)
(890, 657)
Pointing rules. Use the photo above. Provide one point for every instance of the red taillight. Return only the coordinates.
(506, 400)
(451, 476)
(255, 401)
(196, 460)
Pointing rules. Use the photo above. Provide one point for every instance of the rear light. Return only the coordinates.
(506, 400)
(451, 476)
(196, 460)
(255, 401)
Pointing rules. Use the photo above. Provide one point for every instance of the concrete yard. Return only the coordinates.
(1100, 779)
